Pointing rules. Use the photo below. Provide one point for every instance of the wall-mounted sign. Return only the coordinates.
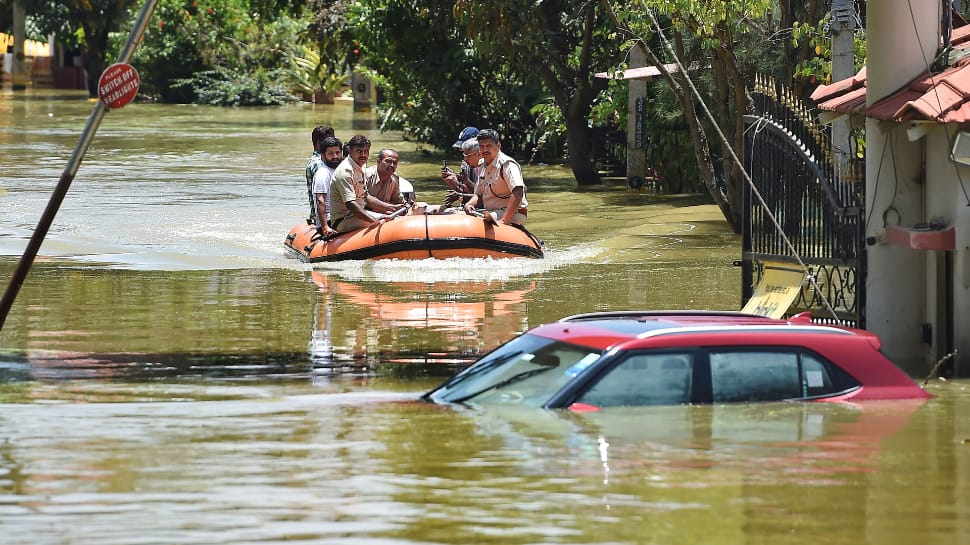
(638, 136)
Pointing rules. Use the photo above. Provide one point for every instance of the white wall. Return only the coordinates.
(948, 198)
(901, 42)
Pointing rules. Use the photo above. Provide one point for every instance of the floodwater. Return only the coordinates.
(168, 375)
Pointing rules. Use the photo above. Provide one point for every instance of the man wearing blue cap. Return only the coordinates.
(466, 134)
(462, 182)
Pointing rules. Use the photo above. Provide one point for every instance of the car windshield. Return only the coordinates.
(527, 370)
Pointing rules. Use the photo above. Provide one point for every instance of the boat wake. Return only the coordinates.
(456, 269)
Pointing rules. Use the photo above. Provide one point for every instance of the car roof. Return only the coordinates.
(605, 329)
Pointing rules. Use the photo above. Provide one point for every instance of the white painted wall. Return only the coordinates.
(896, 281)
(902, 40)
(948, 198)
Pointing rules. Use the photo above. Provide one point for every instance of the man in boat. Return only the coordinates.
(331, 150)
(383, 185)
(500, 188)
(314, 163)
(464, 180)
(348, 199)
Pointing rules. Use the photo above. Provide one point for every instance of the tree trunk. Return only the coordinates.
(735, 106)
(701, 145)
(579, 138)
(96, 47)
(573, 90)
(97, 26)
(94, 67)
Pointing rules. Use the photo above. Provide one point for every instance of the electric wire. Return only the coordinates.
(947, 22)
(738, 162)
(875, 190)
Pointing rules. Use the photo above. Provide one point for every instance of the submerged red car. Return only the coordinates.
(632, 358)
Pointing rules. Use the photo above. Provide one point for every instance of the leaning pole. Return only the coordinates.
(94, 121)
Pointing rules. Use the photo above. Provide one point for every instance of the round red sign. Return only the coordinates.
(118, 85)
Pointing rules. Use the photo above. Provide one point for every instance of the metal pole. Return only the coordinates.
(94, 121)
(842, 28)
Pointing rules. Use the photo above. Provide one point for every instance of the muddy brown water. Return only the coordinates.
(169, 375)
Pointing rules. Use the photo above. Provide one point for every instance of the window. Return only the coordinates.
(773, 374)
(644, 379)
(526, 370)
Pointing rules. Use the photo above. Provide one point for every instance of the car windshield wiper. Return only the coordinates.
(473, 372)
(514, 378)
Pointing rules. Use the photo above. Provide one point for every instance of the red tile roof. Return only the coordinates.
(943, 97)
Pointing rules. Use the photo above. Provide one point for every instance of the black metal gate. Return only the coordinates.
(818, 208)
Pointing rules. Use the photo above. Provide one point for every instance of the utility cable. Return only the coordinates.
(946, 21)
(734, 157)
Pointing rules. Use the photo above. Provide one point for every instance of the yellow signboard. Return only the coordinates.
(778, 289)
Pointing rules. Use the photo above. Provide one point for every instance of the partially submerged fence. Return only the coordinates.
(818, 207)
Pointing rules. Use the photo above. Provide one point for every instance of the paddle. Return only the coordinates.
(397, 213)
(484, 215)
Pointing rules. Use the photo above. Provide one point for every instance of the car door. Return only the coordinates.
(773, 373)
(642, 378)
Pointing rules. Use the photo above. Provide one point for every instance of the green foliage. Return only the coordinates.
(668, 143)
(817, 69)
(225, 87)
(560, 43)
(217, 52)
(714, 18)
(550, 127)
(311, 75)
(86, 23)
(43, 19)
(332, 35)
(432, 81)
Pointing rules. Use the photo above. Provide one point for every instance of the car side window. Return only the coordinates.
(820, 378)
(771, 375)
(644, 379)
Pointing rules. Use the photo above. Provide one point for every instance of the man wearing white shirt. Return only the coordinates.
(500, 187)
(331, 154)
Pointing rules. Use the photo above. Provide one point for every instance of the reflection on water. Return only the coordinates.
(440, 322)
(225, 324)
(795, 440)
(274, 463)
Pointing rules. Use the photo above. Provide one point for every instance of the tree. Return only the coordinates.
(330, 31)
(564, 43)
(218, 52)
(215, 51)
(730, 40)
(86, 22)
(432, 83)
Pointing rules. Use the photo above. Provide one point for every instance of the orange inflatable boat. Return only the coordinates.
(416, 237)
